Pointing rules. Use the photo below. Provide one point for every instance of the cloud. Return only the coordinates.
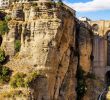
(93, 5)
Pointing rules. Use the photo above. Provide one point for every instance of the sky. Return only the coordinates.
(93, 9)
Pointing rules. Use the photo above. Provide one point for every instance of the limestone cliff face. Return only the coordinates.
(84, 50)
(47, 35)
(85, 45)
(51, 44)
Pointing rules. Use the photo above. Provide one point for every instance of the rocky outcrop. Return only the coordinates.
(85, 35)
(47, 35)
(51, 44)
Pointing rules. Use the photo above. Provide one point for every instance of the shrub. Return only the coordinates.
(81, 89)
(4, 74)
(21, 80)
(18, 80)
(17, 45)
(2, 55)
(7, 18)
(5, 71)
(59, 3)
(3, 27)
(81, 83)
(31, 77)
(3, 23)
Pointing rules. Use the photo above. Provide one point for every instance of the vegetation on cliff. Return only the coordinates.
(81, 83)
(3, 27)
(22, 80)
(2, 55)
(82, 77)
(4, 74)
(17, 45)
(18, 80)
(3, 23)
(39, 45)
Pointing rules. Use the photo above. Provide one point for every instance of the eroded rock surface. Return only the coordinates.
(50, 45)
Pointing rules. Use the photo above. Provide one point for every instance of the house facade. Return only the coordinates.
(4, 3)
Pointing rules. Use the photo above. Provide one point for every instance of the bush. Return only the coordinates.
(18, 80)
(22, 80)
(17, 45)
(31, 77)
(4, 74)
(2, 55)
(5, 71)
(3, 23)
(7, 18)
(59, 3)
(3, 27)
(81, 89)
(81, 83)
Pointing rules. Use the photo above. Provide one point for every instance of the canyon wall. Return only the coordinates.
(53, 44)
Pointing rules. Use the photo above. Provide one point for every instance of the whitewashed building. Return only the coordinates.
(4, 3)
(84, 19)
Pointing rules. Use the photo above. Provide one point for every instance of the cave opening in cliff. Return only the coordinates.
(108, 48)
(107, 78)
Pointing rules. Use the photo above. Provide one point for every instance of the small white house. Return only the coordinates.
(4, 3)
(84, 19)
(24, 1)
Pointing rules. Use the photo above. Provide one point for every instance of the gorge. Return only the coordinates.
(51, 54)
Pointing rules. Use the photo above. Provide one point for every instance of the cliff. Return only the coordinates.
(46, 45)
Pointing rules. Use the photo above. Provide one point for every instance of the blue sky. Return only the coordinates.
(93, 9)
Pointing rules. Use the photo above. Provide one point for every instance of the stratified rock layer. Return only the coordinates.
(50, 44)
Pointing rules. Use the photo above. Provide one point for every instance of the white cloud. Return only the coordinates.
(92, 5)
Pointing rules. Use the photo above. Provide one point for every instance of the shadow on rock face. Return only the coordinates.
(39, 88)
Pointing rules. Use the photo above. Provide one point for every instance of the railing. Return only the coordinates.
(102, 95)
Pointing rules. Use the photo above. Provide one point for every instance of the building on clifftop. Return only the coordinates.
(4, 3)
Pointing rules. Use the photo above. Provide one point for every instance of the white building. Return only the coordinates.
(24, 1)
(4, 3)
(84, 19)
